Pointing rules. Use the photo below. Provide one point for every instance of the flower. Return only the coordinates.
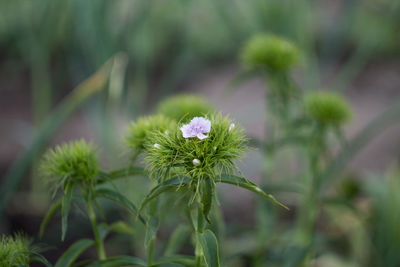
(231, 126)
(196, 128)
(156, 145)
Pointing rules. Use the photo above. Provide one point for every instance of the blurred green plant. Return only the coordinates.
(183, 108)
(17, 251)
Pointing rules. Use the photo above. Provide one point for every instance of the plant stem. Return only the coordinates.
(99, 242)
(150, 253)
(199, 230)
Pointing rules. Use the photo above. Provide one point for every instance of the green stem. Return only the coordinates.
(99, 242)
(200, 229)
(150, 253)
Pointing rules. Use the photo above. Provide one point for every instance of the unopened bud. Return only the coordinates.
(196, 162)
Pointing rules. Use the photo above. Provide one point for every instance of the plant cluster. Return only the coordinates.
(188, 157)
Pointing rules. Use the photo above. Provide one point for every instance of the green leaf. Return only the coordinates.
(177, 239)
(119, 198)
(209, 245)
(178, 259)
(36, 257)
(50, 213)
(65, 206)
(73, 252)
(151, 230)
(246, 184)
(208, 187)
(119, 261)
(174, 183)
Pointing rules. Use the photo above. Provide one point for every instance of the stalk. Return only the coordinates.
(99, 242)
(200, 229)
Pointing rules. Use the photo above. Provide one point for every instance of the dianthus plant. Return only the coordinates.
(191, 159)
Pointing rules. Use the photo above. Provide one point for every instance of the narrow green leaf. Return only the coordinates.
(208, 188)
(119, 198)
(209, 245)
(36, 257)
(246, 184)
(174, 183)
(73, 252)
(119, 261)
(50, 213)
(65, 206)
(177, 259)
(151, 230)
(177, 239)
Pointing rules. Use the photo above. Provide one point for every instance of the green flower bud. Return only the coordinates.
(183, 108)
(327, 108)
(14, 251)
(271, 52)
(75, 161)
(139, 130)
(196, 157)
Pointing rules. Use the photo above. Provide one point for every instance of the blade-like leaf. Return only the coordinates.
(208, 188)
(65, 206)
(178, 259)
(119, 198)
(209, 245)
(73, 252)
(50, 213)
(151, 230)
(36, 257)
(246, 184)
(174, 183)
(119, 261)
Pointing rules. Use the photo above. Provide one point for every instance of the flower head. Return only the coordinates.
(272, 52)
(327, 108)
(180, 154)
(184, 107)
(139, 130)
(14, 250)
(197, 127)
(75, 161)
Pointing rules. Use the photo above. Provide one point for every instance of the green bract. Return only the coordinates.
(184, 107)
(172, 153)
(71, 162)
(138, 131)
(274, 53)
(327, 108)
(14, 251)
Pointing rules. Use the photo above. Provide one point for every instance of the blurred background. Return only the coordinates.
(161, 48)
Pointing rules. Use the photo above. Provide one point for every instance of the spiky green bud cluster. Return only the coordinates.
(271, 52)
(138, 131)
(14, 251)
(327, 108)
(183, 108)
(171, 153)
(75, 161)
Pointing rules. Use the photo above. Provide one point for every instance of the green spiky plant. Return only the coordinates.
(302, 122)
(73, 170)
(193, 167)
(17, 251)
